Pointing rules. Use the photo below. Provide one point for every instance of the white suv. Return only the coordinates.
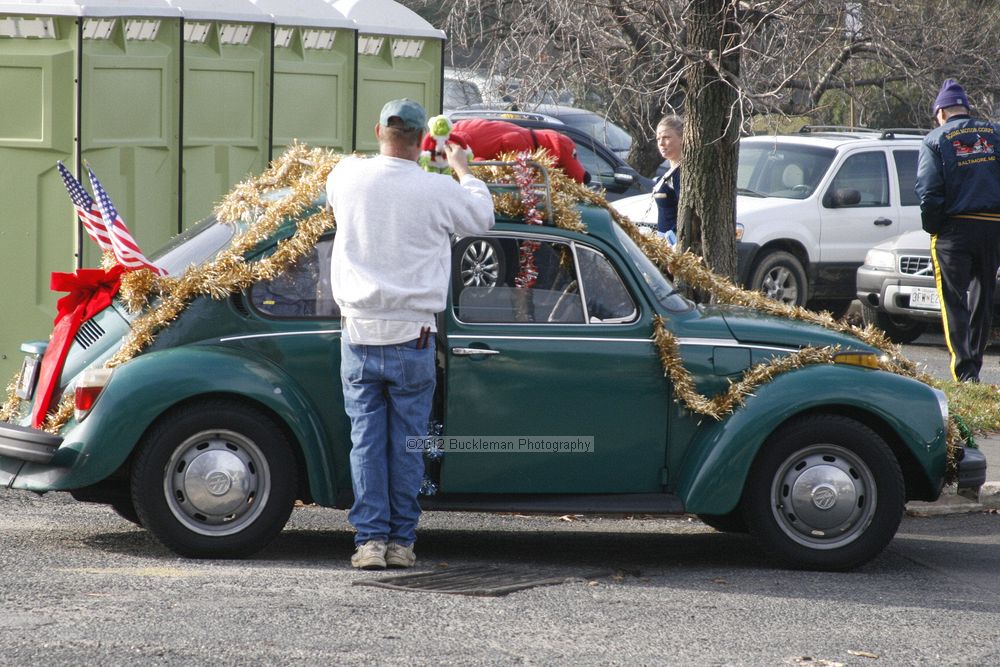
(810, 205)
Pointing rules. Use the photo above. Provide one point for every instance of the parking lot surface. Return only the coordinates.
(82, 586)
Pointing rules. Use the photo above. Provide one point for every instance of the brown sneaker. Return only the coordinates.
(370, 556)
(396, 555)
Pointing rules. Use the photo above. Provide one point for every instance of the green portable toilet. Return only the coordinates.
(399, 54)
(129, 115)
(313, 83)
(46, 46)
(225, 97)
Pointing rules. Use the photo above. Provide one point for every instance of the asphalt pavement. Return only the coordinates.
(989, 495)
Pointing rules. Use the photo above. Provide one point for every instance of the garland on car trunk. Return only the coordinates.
(304, 171)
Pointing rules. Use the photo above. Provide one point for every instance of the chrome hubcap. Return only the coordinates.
(779, 285)
(823, 496)
(217, 482)
(480, 266)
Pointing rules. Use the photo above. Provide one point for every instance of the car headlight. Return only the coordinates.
(942, 399)
(880, 259)
(739, 231)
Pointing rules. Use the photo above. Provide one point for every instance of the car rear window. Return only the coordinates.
(906, 169)
(194, 245)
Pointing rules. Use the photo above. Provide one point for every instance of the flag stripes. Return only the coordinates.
(122, 244)
(86, 209)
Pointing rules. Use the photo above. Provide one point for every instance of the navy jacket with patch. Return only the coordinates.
(958, 174)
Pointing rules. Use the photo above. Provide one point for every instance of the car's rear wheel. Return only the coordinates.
(126, 510)
(214, 480)
(900, 330)
(780, 276)
(825, 493)
(733, 522)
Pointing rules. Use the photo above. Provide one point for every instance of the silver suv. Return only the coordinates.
(896, 287)
(811, 204)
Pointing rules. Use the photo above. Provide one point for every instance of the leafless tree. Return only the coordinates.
(830, 61)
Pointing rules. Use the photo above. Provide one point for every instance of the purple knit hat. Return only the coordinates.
(951, 95)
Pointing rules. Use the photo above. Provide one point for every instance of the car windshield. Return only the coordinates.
(773, 169)
(460, 94)
(194, 245)
(601, 129)
(662, 288)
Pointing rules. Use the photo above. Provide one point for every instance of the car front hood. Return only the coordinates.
(756, 328)
(749, 208)
(637, 208)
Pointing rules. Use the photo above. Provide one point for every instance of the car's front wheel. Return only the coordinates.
(214, 480)
(899, 329)
(825, 493)
(780, 276)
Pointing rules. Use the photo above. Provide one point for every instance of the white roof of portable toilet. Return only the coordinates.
(236, 11)
(308, 13)
(88, 8)
(386, 17)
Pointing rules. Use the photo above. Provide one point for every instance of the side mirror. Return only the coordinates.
(626, 180)
(842, 197)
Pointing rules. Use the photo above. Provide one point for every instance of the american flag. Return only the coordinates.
(122, 244)
(86, 209)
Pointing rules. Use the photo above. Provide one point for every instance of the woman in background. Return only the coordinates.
(667, 190)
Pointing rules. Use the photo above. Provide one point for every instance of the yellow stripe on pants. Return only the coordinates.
(944, 310)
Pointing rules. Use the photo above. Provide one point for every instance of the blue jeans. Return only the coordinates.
(388, 390)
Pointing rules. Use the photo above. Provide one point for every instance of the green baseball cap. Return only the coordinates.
(411, 113)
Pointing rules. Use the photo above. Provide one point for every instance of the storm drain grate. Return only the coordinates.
(480, 581)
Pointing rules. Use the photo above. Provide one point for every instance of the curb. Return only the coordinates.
(952, 503)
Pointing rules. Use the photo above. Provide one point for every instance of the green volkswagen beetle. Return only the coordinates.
(551, 398)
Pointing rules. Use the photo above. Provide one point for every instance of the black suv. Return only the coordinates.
(606, 169)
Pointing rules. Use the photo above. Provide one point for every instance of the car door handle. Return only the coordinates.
(883, 222)
(472, 351)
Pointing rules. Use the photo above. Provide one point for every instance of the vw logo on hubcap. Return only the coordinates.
(824, 497)
(218, 483)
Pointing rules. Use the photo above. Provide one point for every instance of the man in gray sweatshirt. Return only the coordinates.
(390, 274)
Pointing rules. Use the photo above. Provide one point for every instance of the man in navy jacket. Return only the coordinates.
(958, 182)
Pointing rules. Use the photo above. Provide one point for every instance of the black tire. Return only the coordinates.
(214, 480)
(478, 262)
(899, 329)
(779, 275)
(825, 493)
(126, 510)
(734, 522)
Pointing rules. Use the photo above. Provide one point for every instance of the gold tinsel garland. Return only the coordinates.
(301, 169)
(691, 270)
(305, 172)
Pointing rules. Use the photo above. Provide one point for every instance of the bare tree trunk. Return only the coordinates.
(706, 218)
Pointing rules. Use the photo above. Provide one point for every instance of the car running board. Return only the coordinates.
(557, 503)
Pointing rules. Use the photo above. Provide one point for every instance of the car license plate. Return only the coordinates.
(924, 298)
(29, 373)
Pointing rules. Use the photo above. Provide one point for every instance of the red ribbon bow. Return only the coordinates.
(90, 292)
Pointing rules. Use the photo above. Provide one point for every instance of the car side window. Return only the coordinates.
(605, 295)
(598, 167)
(906, 171)
(303, 291)
(865, 174)
(512, 280)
